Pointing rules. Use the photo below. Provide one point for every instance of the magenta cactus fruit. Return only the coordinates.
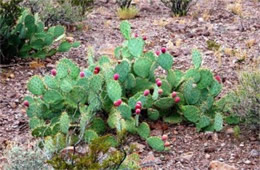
(139, 102)
(167, 144)
(146, 92)
(137, 111)
(144, 38)
(53, 72)
(116, 76)
(218, 78)
(26, 103)
(160, 91)
(136, 35)
(159, 83)
(177, 99)
(157, 53)
(97, 68)
(163, 50)
(158, 79)
(138, 106)
(164, 137)
(117, 103)
(174, 94)
(82, 74)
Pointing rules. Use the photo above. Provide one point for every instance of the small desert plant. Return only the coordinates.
(127, 13)
(178, 7)
(19, 157)
(124, 3)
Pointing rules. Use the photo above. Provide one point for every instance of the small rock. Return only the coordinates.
(254, 153)
(207, 156)
(216, 165)
(222, 144)
(215, 137)
(230, 131)
(210, 149)
(201, 20)
(187, 156)
(175, 132)
(242, 144)
(247, 162)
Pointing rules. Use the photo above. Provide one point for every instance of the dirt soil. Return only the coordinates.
(207, 20)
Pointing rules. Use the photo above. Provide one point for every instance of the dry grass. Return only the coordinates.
(236, 8)
(127, 13)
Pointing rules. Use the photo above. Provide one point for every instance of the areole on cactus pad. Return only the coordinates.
(126, 92)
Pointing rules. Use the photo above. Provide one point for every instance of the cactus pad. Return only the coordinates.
(166, 87)
(218, 122)
(164, 103)
(51, 82)
(153, 114)
(90, 135)
(136, 46)
(130, 81)
(196, 58)
(143, 130)
(174, 77)
(191, 93)
(206, 79)
(173, 119)
(130, 126)
(203, 122)
(165, 60)
(66, 86)
(192, 113)
(98, 125)
(52, 96)
(125, 29)
(142, 67)
(114, 90)
(36, 86)
(156, 143)
(194, 74)
(64, 122)
(215, 88)
(123, 69)
(125, 111)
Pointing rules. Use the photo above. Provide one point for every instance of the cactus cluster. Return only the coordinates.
(123, 92)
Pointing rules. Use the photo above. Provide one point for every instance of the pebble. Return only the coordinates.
(254, 153)
(242, 144)
(247, 162)
(230, 131)
(207, 156)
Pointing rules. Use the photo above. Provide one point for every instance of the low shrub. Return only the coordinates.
(77, 105)
(178, 7)
(243, 104)
(124, 3)
(28, 38)
(19, 157)
(127, 13)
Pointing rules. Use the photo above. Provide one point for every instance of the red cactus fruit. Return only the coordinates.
(218, 78)
(146, 92)
(158, 79)
(160, 91)
(144, 38)
(97, 68)
(164, 137)
(159, 83)
(137, 111)
(117, 103)
(174, 94)
(53, 72)
(138, 106)
(26, 103)
(136, 35)
(163, 50)
(82, 74)
(116, 76)
(139, 102)
(177, 99)
(157, 53)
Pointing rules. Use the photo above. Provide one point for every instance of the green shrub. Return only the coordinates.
(120, 92)
(124, 3)
(29, 39)
(22, 158)
(178, 7)
(243, 104)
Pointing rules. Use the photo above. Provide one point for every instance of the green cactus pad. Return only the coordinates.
(173, 119)
(98, 125)
(166, 87)
(207, 104)
(62, 70)
(84, 83)
(123, 69)
(155, 92)
(60, 141)
(203, 122)
(127, 54)
(49, 145)
(94, 101)
(174, 77)
(52, 96)
(125, 29)
(64, 122)
(165, 60)
(143, 130)
(150, 55)
(86, 115)
(206, 79)
(96, 83)
(191, 93)
(218, 122)
(114, 120)
(73, 69)
(130, 126)
(90, 135)
(104, 60)
(130, 81)
(164, 103)
(58, 31)
(215, 88)
(196, 58)
(64, 46)
(142, 67)
(153, 114)
(194, 74)
(77, 94)
(136, 46)
(112, 141)
(35, 122)
(51, 82)
(141, 85)
(36, 86)
(41, 131)
(152, 69)
(149, 102)
(156, 143)
(114, 90)
(66, 86)
(125, 111)
(192, 113)
(117, 52)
